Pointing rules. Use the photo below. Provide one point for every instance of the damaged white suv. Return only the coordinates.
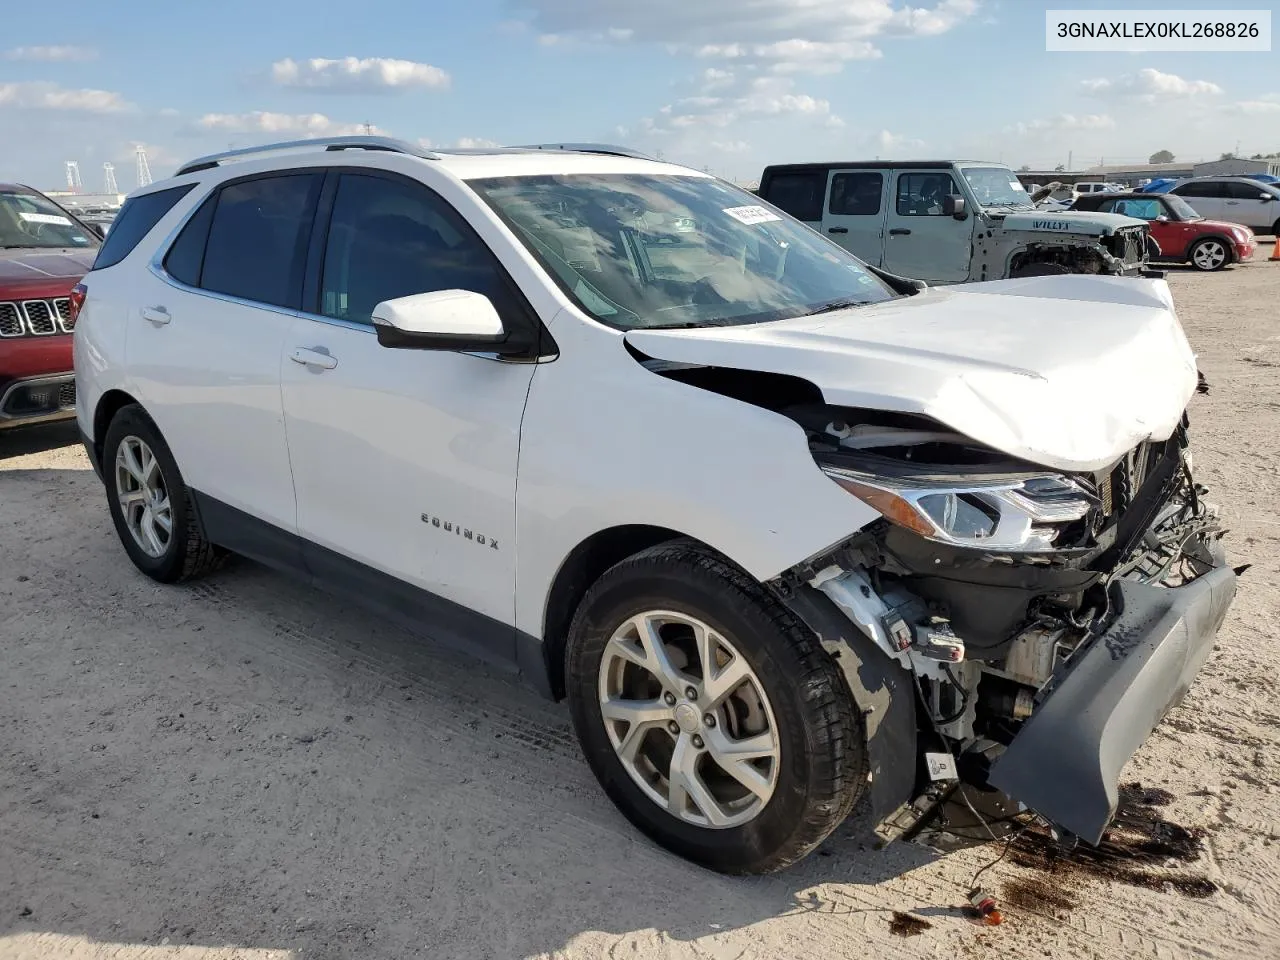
(783, 528)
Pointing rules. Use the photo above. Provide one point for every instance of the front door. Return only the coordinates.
(921, 241)
(854, 213)
(404, 460)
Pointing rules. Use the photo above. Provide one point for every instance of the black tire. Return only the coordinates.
(823, 767)
(1199, 244)
(188, 554)
(1275, 230)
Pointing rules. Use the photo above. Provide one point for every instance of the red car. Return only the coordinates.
(1183, 235)
(44, 251)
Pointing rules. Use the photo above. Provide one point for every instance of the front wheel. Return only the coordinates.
(712, 718)
(1209, 255)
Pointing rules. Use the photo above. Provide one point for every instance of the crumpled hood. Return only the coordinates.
(1070, 221)
(1071, 372)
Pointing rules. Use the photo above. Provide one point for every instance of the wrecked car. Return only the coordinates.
(951, 221)
(783, 528)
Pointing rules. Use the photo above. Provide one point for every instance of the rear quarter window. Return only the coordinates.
(135, 220)
(798, 192)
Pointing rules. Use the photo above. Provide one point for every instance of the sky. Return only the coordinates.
(725, 85)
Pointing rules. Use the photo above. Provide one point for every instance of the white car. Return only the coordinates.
(1234, 199)
(783, 528)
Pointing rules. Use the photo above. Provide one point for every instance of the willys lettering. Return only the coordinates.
(448, 526)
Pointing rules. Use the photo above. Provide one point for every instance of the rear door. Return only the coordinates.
(1207, 197)
(920, 240)
(854, 213)
(204, 345)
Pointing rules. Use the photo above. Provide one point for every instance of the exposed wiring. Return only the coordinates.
(1008, 845)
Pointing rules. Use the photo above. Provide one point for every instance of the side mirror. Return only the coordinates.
(1163, 218)
(457, 320)
(953, 206)
(1266, 196)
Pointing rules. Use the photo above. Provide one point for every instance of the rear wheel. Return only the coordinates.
(150, 505)
(1209, 254)
(711, 717)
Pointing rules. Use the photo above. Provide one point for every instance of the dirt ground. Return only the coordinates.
(248, 769)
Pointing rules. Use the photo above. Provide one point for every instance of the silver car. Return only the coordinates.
(1234, 199)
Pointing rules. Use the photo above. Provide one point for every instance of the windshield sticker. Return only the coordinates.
(44, 218)
(1017, 185)
(751, 215)
(79, 239)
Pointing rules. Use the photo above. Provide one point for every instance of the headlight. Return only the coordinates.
(1023, 514)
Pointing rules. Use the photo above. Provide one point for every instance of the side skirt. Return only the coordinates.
(420, 611)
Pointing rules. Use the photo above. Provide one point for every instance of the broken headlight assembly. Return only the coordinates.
(1024, 514)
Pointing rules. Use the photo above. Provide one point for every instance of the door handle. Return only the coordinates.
(157, 315)
(899, 232)
(837, 229)
(313, 358)
(1233, 203)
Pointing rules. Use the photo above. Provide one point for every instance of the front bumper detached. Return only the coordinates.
(1066, 761)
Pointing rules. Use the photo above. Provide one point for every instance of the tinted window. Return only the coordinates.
(1245, 191)
(920, 194)
(186, 255)
(798, 193)
(134, 221)
(258, 239)
(390, 238)
(856, 194)
(1200, 190)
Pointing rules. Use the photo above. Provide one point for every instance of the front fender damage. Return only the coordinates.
(881, 689)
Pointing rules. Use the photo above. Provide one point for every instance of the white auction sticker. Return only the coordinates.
(44, 218)
(751, 215)
(942, 766)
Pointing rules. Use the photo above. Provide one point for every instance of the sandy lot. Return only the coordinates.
(246, 768)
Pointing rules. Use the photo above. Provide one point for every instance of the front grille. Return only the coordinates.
(40, 317)
(35, 318)
(63, 306)
(67, 395)
(11, 324)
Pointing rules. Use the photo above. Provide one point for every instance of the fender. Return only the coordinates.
(882, 691)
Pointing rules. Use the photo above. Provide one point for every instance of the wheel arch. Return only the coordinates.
(582, 567)
(1224, 239)
(109, 404)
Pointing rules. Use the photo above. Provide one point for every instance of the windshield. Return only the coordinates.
(996, 187)
(673, 251)
(29, 220)
(1180, 207)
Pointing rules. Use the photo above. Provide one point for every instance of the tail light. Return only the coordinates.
(78, 293)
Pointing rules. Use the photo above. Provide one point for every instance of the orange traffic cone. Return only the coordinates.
(1275, 251)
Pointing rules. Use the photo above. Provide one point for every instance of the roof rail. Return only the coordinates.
(387, 144)
(605, 148)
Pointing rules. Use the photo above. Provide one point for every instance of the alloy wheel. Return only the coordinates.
(143, 497)
(689, 720)
(1210, 255)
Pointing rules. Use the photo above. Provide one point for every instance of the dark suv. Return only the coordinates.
(44, 251)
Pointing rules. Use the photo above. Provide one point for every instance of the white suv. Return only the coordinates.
(783, 528)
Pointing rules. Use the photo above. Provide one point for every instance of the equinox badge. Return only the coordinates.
(448, 526)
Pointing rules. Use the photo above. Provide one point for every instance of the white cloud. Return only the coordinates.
(56, 54)
(1062, 123)
(890, 145)
(355, 74)
(475, 143)
(1266, 105)
(809, 35)
(297, 124)
(762, 96)
(1150, 86)
(38, 95)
